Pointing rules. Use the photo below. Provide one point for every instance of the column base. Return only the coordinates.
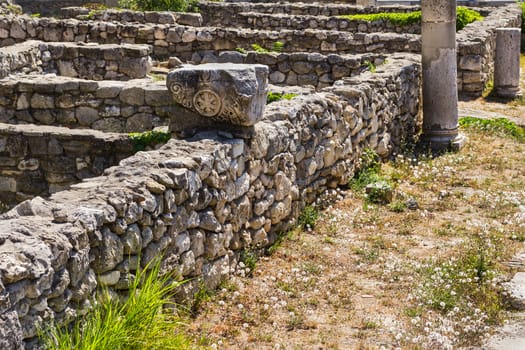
(438, 144)
(508, 92)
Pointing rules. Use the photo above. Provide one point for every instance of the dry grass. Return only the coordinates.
(370, 276)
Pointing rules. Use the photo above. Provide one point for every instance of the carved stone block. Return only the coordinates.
(228, 93)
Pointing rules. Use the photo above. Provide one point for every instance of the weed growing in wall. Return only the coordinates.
(499, 126)
(277, 46)
(15, 9)
(370, 66)
(142, 140)
(3, 208)
(276, 96)
(464, 16)
(139, 322)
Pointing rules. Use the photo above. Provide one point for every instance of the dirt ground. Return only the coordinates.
(423, 272)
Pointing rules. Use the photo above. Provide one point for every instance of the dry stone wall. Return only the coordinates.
(86, 61)
(22, 58)
(52, 7)
(183, 41)
(128, 106)
(120, 15)
(38, 160)
(264, 21)
(298, 68)
(195, 202)
(96, 62)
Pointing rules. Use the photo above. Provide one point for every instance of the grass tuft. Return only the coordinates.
(369, 171)
(308, 217)
(141, 140)
(140, 322)
(500, 126)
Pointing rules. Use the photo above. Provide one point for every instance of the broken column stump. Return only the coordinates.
(219, 96)
(507, 63)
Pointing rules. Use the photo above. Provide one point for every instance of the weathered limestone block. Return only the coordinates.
(223, 92)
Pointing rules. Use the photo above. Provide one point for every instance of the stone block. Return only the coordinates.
(470, 62)
(86, 115)
(230, 93)
(132, 96)
(42, 101)
(7, 184)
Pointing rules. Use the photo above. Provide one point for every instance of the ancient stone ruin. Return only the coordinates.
(87, 209)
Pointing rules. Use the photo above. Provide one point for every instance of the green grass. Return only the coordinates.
(17, 10)
(464, 16)
(276, 47)
(140, 322)
(498, 126)
(159, 5)
(396, 18)
(141, 140)
(258, 48)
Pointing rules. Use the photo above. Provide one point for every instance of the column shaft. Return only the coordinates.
(440, 96)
